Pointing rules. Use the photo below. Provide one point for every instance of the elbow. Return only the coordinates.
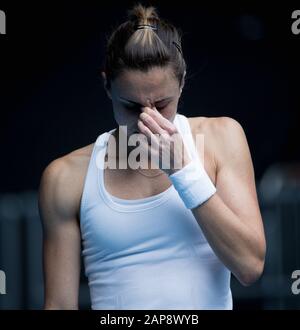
(252, 273)
(253, 269)
(251, 276)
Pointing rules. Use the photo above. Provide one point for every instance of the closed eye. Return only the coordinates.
(133, 107)
(160, 108)
(138, 107)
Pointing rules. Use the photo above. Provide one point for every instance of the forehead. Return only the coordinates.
(155, 83)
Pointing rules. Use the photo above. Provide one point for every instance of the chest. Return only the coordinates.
(122, 184)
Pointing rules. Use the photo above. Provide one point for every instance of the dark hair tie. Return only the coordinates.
(146, 26)
(177, 46)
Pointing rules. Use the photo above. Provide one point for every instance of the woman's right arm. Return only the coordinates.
(58, 204)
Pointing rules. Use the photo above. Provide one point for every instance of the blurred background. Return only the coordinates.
(243, 62)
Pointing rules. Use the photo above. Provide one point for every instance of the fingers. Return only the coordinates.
(156, 122)
(144, 129)
(151, 124)
(153, 141)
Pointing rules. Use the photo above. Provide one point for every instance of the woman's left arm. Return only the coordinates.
(231, 218)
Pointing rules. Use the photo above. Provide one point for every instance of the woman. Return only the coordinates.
(154, 236)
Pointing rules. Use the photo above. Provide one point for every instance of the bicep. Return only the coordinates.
(61, 242)
(235, 181)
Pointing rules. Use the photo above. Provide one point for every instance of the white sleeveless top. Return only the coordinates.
(147, 253)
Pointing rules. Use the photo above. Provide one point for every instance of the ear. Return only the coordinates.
(105, 83)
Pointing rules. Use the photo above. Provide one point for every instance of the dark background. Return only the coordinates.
(242, 59)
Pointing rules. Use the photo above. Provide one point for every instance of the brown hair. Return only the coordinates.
(142, 49)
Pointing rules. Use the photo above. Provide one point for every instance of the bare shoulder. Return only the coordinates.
(224, 137)
(230, 141)
(214, 124)
(62, 181)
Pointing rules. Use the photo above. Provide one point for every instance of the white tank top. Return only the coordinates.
(147, 253)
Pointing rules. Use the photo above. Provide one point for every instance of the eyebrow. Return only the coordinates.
(165, 99)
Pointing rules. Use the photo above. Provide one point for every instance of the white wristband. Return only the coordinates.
(193, 184)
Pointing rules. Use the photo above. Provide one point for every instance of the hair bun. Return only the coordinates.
(143, 15)
(134, 44)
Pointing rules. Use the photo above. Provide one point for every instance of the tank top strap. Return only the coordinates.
(182, 124)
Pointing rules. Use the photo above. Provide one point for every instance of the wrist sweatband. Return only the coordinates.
(193, 184)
